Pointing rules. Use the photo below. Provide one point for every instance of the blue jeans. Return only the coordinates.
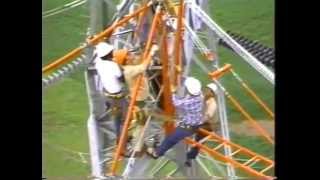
(178, 135)
(119, 114)
(194, 151)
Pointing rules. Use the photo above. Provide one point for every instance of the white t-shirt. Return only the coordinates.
(109, 73)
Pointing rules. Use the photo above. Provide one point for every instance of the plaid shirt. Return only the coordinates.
(189, 109)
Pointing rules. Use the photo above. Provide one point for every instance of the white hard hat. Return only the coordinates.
(213, 87)
(193, 85)
(103, 49)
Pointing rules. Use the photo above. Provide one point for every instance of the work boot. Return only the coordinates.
(129, 153)
(154, 141)
(152, 152)
(188, 163)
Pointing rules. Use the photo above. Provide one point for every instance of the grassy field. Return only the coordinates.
(65, 107)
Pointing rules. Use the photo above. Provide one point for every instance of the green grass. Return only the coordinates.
(62, 126)
(65, 107)
(253, 19)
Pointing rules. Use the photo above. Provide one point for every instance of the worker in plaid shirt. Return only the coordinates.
(189, 111)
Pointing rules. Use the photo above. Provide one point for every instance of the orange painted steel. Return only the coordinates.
(104, 34)
(253, 122)
(125, 127)
(124, 132)
(166, 98)
(253, 95)
(217, 74)
(221, 71)
(239, 149)
(233, 145)
(178, 45)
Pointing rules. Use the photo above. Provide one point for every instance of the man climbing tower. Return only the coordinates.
(211, 122)
(112, 80)
(189, 111)
(133, 65)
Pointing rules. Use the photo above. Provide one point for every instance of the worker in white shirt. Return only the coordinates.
(133, 65)
(112, 80)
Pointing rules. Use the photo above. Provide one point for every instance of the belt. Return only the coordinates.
(187, 126)
(117, 95)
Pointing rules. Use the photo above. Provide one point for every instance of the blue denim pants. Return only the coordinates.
(178, 135)
(119, 114)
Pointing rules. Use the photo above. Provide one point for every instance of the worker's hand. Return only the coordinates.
(154, 49)
(165, 16)
(173, 88)
(178, 68)
(145, 64)
(210, 56)
(89, 38)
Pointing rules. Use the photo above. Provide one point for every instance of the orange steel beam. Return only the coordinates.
(253, 122)
(166, 98)
(221, 71)
(124, 132)
(253, 95)
(218, 73)
(178, 43)
(243, 149)
(226, 159)
(125, 127)
(106, 33)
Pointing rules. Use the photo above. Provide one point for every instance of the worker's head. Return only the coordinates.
(126, 57)
(104, 50)
(120, 56)
(193, 86)
(211, 90)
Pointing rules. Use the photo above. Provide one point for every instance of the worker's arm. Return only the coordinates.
(134, 70)
(137, 69)
(211, 108)
(119, 72)
(121, 78)
(177, 101)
